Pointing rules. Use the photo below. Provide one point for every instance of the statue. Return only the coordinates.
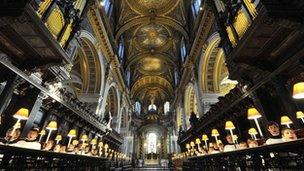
(231, 9)
(193, 119)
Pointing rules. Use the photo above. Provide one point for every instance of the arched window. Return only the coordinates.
(166, 107)
(152, 142)
(137, 107)
(176, 77)
(152, 107)
(183, 50)
(120, 50)
(196, 5)
(107, 5)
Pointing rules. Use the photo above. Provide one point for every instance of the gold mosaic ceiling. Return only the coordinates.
(151, 31)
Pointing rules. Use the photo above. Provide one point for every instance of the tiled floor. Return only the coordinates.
(151, 168)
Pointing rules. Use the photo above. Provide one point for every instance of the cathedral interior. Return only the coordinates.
(151, 85)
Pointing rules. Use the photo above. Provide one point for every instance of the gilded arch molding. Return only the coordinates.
(146, 20)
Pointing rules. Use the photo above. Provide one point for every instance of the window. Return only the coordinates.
(152, 107)
(107, 5)
(152, 142)
(137, 107)
(196, 5)
(121, 49)
(166, 107)
(183, 50)
(176, 77)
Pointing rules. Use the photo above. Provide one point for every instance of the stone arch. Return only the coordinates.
(213, 70)
(190, 103)
(88, 71)
(111, 103)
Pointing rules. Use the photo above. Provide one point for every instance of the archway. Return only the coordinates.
(87, 73)
(190, 102)
(214, 75)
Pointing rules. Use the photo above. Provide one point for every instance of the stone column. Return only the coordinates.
(207, 99)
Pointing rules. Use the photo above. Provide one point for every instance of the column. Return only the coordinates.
(207, 99)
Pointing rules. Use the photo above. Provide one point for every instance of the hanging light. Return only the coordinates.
(298, 90)
(285, 120)
(254, 114)
(300, 115)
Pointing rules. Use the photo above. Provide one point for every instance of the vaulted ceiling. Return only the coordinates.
(151, 31)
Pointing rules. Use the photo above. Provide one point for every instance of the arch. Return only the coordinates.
(88, 71)
(190, 103)
(212, 68)
(111, 103)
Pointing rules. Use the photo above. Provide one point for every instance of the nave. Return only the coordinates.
(151, 85)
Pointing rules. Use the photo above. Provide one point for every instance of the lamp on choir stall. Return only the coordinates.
(198, 142)
(75, 142)
(84, 138)
(230, 126)
(21, 114)
(58, 138)
(285, 120)
(71, 135)
(41, 133)
(298, 90)
(100, 145)
(93, 141)
(300, 115)
(205, 139)
(254, 114)
(52, 126)
(188, 147)
(215, 134)
(253, 132)
(192, 145)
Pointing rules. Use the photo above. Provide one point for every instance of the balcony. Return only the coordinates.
(264, 35)
(36, 33)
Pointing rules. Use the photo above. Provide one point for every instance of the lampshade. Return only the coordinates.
(252, 131)
(197, 141)
(215, 133)
(192, 144)
(42, 132)
(94, 141)
(300, 114)
(253, 113)
(229, 125)
(58, 138)
(22, 114)
(106, 146)
(298, 90)
(187, 146)
(205, 137)
(72, 133)
(84, 137)
(52, 125)
(285, 120)
(75, 142)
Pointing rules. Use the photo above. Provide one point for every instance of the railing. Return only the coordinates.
(288, 155)
(15, 158)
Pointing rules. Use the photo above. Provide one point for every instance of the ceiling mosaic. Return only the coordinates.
(151, 31)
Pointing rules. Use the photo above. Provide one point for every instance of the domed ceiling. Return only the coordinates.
(151, 31)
